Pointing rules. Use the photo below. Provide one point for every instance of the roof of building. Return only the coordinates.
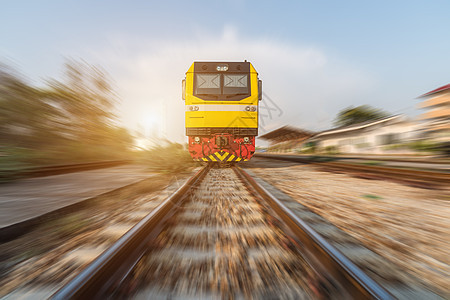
(286, 133)
(438, 90)
(357, 126)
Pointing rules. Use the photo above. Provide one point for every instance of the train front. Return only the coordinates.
(221, 110)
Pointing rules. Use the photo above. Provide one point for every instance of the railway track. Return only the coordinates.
(420, 178)
(35, 265)
(222, 235)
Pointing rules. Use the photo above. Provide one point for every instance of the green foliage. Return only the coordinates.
(25, 118)
(12, 162)
(63, 122)
(420, 146)
(331, 150)
(396, 146)
(85, 101)
(354, 115)
(373, 197)
(373, 163)
(423, 145)
(68, 225)
(169, 158)
(308, 148)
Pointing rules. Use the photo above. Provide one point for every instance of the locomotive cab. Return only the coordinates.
(221, 110)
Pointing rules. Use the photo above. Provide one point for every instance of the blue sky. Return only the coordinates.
(314, 57)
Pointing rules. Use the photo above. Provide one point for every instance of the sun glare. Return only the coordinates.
(150, 123)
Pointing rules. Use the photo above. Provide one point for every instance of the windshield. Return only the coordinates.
(213, 86)
(235, 84)
(208, 84)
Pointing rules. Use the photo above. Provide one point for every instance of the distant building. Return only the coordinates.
(436, 120)
(286, 138)
(374, 137)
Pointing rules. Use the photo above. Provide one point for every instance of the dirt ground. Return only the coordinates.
(408, 226)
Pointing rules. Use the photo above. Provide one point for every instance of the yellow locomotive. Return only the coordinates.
(221, 110)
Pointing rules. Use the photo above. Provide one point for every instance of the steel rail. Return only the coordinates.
(391, 172)
(109, 270)
(409, 174)
(430, 160)
(354, 280)
(113, 265)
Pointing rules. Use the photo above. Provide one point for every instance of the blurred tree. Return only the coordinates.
(86, 100)
(63, 122)
(25, 118)
(354, 115)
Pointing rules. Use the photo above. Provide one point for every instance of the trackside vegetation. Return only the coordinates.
(66, 121)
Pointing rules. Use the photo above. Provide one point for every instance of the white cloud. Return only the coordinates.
(309, 85)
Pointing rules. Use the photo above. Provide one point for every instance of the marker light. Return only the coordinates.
(222, 68)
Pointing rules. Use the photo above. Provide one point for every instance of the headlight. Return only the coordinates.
(197, 139)
(246, 139)
(193, 108)
(222, 68)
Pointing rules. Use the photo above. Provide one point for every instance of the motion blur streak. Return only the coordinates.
(62, 122)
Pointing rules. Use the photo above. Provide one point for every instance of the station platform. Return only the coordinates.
(29, 198)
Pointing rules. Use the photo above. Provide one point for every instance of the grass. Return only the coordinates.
(323, 158)
(373, 197)
(14, 161)
(171, 158)
(372, 163)
(67, 225)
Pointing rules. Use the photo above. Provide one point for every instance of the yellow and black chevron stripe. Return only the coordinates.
(221, 156)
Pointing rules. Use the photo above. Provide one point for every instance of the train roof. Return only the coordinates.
(221, 66)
